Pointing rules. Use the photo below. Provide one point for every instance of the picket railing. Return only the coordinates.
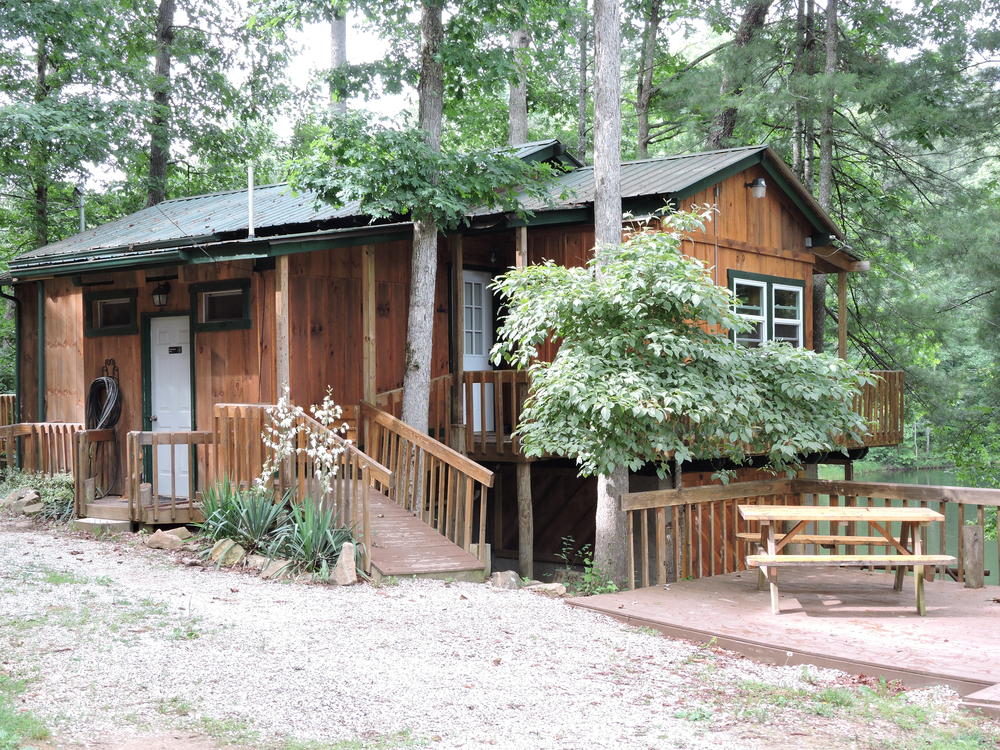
(96, 466)
(881, 404)
(43, 447)
(440, 486)
(439, 416)
(697, 532)
(148, 499)
(497, 396)
(8, 409)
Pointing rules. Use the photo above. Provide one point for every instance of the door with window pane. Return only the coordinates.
(478, 318)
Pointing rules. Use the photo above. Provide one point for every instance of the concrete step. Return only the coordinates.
(985, 701)
(100, 526)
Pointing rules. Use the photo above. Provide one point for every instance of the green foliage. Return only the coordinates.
(391, 171)
(56, 492)
(592, 580)
(17, 727)
(311, 539)
(642, 373)
(249, 517)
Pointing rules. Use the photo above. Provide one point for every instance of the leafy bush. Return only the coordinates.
(311, 539)
(56, 492)
(249, 517)
(591, 580)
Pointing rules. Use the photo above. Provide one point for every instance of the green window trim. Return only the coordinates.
(771, 317)
(233, 324)
(90, 328)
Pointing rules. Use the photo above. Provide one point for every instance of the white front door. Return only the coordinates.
(170, 397)
(478, 317)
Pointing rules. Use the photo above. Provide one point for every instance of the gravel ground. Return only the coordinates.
(121, 641)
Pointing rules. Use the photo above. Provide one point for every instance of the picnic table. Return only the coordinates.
(908, 546)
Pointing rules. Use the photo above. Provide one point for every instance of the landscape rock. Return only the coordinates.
(548, 589)
(191, 562)
(226, 552)
(505, 579)
(162, 540)
(276, 569)
(32, 510)
(344, 572)
(256, 562)
(22, 495)
(181, 532)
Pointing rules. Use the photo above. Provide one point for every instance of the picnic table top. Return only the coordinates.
(769, 513)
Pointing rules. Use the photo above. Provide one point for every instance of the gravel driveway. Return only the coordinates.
(121, 642)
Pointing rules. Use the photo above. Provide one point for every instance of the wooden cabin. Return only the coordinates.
(200, 317)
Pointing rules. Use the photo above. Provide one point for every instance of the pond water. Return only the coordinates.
(952, 512)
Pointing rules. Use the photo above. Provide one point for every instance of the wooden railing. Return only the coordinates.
(439, 416)
(498, 397)
(43, 447)
(96, 467)
(148, 499)
(694, 533)
(881, 404)
(440, 486)
(8, 409)
(241, 457)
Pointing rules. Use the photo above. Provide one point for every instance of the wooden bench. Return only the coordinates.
(908, 546)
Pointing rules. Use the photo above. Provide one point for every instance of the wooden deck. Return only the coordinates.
(837, 618)
(403, 545)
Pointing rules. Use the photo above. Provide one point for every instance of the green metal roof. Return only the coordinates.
(180, 230)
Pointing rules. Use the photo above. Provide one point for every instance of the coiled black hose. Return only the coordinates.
(104, 409)
(104, 404)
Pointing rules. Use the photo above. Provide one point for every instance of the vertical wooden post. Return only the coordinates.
(974, 565)
(281, 333)
(368, 354)
(456, 251)
(841, 314)
(525, 522)
(521, 247)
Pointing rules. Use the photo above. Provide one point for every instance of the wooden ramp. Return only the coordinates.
(403, 545)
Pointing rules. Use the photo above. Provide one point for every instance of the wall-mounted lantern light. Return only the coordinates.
(160, 293)
(758, 188)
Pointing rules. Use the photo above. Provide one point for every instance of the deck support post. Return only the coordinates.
(369, 373)
(972, 543)
(525, 522)
(281, 349)
(842, 314)
(457, 253)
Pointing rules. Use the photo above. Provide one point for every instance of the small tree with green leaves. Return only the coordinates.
(646, 372)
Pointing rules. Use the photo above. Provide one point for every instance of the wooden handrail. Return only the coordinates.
(95, 468)
(437, 484)
(435, 448)
(43, 447)
(144, 490)
(439, 416)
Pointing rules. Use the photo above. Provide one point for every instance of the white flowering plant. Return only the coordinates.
(324, 443)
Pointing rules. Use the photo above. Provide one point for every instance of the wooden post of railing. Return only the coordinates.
(456, 248)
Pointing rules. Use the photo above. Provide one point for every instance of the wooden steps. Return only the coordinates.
(756, 561)
(116, 508)
(404, 546)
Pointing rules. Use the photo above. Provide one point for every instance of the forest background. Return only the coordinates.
(888, 111)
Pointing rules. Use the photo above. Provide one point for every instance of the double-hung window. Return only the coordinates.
(774, 307)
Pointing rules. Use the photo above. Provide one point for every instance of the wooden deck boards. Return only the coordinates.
(403, 545)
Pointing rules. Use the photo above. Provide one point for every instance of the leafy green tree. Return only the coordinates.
(643, 374)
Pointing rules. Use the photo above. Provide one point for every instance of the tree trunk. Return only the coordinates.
(581, 91)
(159, 125)
(644, 94)
(610, 542)
(734, 73)
(338, 56)
(797, 68)
(40, 155)
(807, 125)
(517, 114)
(423, 265)
(825, 168)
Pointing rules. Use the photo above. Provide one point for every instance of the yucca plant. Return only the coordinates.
(249, 517)
(311, 539)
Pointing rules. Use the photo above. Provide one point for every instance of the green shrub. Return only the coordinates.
(249, 517)
(311, 540)
(592, 579)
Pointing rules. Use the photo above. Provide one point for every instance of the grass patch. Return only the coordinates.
(63, 577)
(400, 739)
(17, 727)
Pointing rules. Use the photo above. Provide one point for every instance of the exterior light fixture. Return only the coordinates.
(160, 294)
(758, 188)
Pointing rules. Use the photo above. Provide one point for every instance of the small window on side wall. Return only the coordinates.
(221, 305)
(111, 313)
(773, 306)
